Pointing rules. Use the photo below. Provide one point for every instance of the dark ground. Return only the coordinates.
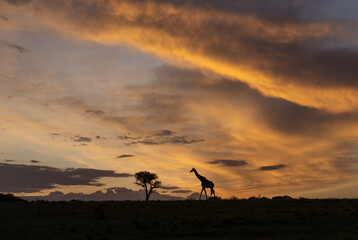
(220, 219)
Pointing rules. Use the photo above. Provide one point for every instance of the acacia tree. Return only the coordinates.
(148, 181)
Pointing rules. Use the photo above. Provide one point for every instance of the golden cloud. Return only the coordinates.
(285, 59)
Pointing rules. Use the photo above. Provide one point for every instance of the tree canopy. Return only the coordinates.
(148, 181)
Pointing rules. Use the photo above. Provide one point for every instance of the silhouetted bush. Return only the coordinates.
(9, 197)
(233, 198)
(303, 198)
(286, 197)
(191, 199)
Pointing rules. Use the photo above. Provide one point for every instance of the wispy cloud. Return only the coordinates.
(273, 167)
(169, 187)
(125, 156)
(4, 18)
(181, 191)
(229, 163)
(96, 112)
(14, 46)
(82, 139)
(10, 160)
(181, 140)
(18, 2)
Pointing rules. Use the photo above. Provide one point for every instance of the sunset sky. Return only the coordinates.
(260, 96)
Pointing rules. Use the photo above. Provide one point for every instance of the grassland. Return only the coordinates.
(220, 219)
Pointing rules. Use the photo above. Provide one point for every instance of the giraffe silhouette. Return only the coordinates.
(205, 183)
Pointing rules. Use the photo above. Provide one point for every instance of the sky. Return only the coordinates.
(260, 96)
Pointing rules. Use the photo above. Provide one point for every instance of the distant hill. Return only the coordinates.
(111, 194)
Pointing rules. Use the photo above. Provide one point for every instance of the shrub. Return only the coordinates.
(9, 197)
(233, 198)
(286, 197)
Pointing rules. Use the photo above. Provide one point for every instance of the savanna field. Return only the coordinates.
(212, 219)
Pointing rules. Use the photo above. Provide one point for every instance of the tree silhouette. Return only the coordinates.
(148, 181)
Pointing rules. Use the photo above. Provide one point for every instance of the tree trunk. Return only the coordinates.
(148, 194)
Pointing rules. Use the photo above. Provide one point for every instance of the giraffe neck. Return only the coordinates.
(198, 176)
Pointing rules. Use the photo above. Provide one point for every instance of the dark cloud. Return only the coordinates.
(280, 44)
(147, 142)
(15, 46)
(165, 133)
(183, 140)
(96, 112)
(125, 156)
(229, 163)
(181, 191)
(9, 160)
(306, 62)
(287, 55)
(82, 139)
(180, 140)
(18, 2)
(4, 18)
(55, 134)
(34, 161)
(125, 137)
(291, 118)
(278, 114)
(278, 10)
(144, 142)
(169, 187)
(111, 194)
(273, 167)
(309, 65)
(29, 178)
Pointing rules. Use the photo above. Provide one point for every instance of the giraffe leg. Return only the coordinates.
(201, 193)
(212, 191)
(206, 196)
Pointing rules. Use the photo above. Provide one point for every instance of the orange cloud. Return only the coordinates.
(280, 59)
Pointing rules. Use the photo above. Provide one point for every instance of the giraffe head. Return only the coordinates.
(192, 170)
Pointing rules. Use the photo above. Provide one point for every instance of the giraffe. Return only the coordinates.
(205, 183)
